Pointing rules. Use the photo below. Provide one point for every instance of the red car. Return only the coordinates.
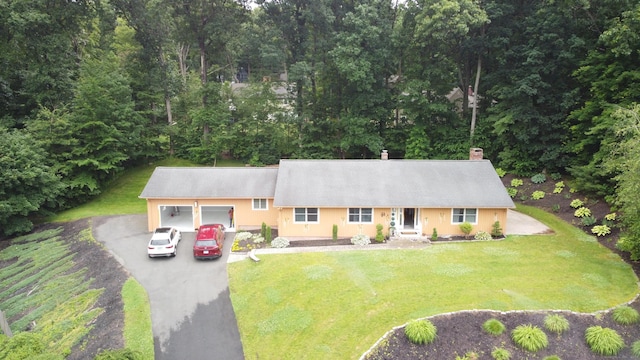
(209, 241)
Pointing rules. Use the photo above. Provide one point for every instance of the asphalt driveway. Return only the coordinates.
(191, 312)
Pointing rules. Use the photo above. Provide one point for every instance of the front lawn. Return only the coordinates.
(335, 305)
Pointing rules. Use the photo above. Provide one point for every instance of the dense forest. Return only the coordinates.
(89, 88)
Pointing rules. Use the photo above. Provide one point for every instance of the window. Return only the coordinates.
(465, 215)
(306, 215)
(260, 204)
(361, 215)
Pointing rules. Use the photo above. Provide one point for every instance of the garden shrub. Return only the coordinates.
(555, 176)
(625, 315)
(334, 232)
(469, 355)
(610, 217)
(243, 235)
(493, 327)
(279, 242)
(556, 323)
(420, 331)
(576, 203)
(582, 212)
(434, 235)
(516, 182)
(588, 220)
(501, 173)
(635, 348)
(551, 357)
(538, 178)
(496, 230)
(537, 195)
(601, 230)
(559, 187)
(257, 239)
(379, 234)
(482, 235)
(555, 208)
(500, 354)
(529, 337)
(267, 234)
(466, 228)
(361, 239)
(603, 341)
(512, 192)
(263, 230)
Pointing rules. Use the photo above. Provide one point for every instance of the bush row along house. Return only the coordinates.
(306, 198)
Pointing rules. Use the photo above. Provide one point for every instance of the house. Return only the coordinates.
(306, 198)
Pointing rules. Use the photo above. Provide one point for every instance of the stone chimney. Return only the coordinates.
(475, 154)
(384, 155)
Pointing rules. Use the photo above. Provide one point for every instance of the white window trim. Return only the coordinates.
(306, 215)
(464, 216)
(266, 201)
(360, 216)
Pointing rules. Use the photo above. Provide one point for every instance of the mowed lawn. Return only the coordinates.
(335, 305)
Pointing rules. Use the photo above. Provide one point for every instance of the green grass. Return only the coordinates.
(363, 294)
(121, 196)
(138, 335)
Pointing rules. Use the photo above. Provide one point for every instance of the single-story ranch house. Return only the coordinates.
(306, 198)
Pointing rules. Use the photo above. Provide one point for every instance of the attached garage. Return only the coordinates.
(179, 216)
(215, 215)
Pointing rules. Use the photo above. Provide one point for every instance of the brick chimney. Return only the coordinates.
(475, 154)
(384, 155)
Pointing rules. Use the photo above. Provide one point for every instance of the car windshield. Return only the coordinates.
(160, 242)
(206, 243)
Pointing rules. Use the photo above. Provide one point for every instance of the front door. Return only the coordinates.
(409, 216)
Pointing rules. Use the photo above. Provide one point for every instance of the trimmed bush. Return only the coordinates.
(482, 235)
(434, 235)
(625, 315)
(334, 232)
(556, 323)
(529, 337)
(635, 348)
(420, 331)
(360, 240)
(267, 234)
(279, 242)
(493, 327)
(466, 228)
(496, 230)
(379, 235)
(603, 341)
(500, 354)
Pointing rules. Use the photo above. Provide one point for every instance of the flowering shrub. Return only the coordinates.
(576, 203)
(257, 239)
(582, 212)
(482, 235)
(279, 242)
(537, 195)
(601, 230)
(360, 240)
(243, 235)
(516, 182)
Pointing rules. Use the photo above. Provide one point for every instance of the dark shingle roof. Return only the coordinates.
(342, 183)
(387, 183)
(211, 182)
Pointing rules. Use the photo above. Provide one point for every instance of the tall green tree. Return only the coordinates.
(28, 185)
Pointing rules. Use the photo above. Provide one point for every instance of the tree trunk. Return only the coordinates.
(474, 110)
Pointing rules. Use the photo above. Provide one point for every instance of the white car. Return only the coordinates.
(164, 242)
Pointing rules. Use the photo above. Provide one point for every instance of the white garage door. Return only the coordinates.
(180, 216)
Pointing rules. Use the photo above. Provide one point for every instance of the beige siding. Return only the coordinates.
(441, 219)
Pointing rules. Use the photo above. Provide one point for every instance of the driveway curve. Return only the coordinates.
(191, 312)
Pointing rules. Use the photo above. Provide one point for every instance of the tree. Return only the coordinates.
(624, 159)
(27, 185)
